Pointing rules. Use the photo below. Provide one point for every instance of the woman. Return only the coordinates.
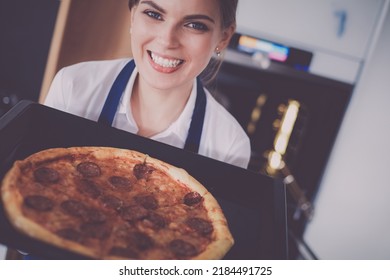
(158, 94)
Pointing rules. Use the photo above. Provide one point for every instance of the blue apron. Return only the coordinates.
(111, 105)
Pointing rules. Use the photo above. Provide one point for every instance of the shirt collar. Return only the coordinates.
(179, 127)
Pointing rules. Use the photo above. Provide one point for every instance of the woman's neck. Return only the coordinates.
(154, 110)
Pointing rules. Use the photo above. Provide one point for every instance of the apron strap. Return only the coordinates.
(114, 96)
(195, 132)
(112, 102)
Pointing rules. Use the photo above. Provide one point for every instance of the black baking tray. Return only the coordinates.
(253, 204)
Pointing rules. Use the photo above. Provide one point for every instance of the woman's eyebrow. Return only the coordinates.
(189, 17)
(154, 5)
(199, 16)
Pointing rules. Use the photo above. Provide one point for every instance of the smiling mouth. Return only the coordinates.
(165, 62)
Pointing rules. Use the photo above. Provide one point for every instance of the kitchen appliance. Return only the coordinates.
(290, 114)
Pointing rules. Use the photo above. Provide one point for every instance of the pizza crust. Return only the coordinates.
(221, 239)
(13, 200)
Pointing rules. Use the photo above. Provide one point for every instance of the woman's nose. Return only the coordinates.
(169, 36)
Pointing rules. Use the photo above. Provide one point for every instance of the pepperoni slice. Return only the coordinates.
(142, 170)
(147, 201)
(192, 198)
(74, 208)
(89, 188)
(157, 221)
(94, 216)
(111, 201)
(121, 183)
(142, 241)
(89, 169)
(39, 203)
(46, 175)
(133, 213)
(97, 231)
(78, 209)
(201, 226)
(182, 248)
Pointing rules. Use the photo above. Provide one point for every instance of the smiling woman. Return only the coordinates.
(226, 16)
(179, 38)
(158, 93)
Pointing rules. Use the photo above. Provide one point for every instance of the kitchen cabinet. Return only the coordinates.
(87, 30)
(342, 27)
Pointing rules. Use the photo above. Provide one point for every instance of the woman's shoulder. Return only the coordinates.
(222, 123)
(76, 87)
(219, 114)
(225, 138)
(95, 68)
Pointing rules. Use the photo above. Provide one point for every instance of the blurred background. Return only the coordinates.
(308, 81)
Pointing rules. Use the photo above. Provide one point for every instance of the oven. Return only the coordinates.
(290, 114)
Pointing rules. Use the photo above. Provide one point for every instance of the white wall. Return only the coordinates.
(352, 219)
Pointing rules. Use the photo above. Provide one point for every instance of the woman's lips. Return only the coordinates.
(165, 64)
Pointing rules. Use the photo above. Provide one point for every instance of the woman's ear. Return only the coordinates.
(227, 34)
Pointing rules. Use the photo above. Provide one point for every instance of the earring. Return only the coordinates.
(218, 52)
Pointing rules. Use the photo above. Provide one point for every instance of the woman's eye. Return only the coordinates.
(153, 15)
(197, 26)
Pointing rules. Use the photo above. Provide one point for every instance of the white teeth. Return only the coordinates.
(164, 62)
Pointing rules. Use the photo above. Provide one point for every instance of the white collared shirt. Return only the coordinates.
(82, 89)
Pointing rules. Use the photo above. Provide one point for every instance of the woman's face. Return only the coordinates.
(173, 40)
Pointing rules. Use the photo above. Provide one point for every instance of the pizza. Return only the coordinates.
(110, 203)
